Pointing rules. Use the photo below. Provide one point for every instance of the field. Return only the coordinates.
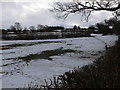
(27, 62)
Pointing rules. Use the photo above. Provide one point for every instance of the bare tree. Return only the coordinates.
(12, 28)
(85, 7)
(39, 27)
(32, 28)
(17, 26)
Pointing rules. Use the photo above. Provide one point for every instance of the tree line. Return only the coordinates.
(18, 29)
(106, 27)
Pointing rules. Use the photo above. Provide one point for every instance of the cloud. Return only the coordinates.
(34, 13)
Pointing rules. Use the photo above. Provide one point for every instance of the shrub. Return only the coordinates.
(103, 73)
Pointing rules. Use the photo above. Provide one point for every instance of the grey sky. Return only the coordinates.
(36, 12)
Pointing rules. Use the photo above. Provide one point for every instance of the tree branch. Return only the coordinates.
(64, 9)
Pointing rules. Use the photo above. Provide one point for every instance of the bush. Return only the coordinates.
(103, 73)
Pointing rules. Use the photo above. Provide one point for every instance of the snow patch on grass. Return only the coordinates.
(74, 52)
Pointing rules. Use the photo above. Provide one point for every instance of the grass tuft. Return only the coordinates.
(47, 54)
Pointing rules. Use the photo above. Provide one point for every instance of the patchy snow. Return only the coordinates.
(18, 73)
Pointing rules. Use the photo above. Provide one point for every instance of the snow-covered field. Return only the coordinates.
(18, 70)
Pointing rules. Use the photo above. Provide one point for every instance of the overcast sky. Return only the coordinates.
(34, 12)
